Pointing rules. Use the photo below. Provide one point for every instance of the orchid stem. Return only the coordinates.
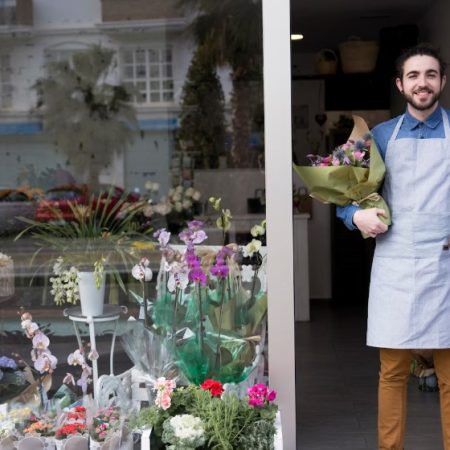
(145, 305)
(222, 298)
(200, 311)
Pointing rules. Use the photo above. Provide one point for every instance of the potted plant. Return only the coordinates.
(99, 239)
(209, 416)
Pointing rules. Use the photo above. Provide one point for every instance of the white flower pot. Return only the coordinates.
(91, 297)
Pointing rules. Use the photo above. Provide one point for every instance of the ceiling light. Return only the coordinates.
(296, 37)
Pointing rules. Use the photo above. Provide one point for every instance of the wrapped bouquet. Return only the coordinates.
(351, 174)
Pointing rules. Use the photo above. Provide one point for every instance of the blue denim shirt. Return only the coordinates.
(411, 127)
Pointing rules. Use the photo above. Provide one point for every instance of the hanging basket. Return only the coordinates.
(358, 56)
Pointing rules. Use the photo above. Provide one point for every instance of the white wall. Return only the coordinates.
(58, 14)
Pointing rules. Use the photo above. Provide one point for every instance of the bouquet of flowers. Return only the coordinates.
(209, 416)
(352, 174)
(105, 422)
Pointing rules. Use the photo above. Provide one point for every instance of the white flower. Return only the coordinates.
(186, 204)
(189, 192)
(178, 207)
(186, 426)
(76, 358)
(45, 362)
(251, 247)
(40, 341)
(141, 272)
(196, 196)
(247, 273)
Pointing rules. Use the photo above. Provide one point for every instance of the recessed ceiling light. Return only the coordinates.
(296, 37)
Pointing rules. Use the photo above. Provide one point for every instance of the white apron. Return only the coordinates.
(409, 299)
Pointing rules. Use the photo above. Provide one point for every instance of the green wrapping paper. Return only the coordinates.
(225, 343)
(345, 185)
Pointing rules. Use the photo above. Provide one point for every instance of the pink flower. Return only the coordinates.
(358, 155)
(259, 395)
(163, 401)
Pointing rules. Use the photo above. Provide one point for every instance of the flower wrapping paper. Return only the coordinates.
(347, 184)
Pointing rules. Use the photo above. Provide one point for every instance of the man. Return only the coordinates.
(409, 300)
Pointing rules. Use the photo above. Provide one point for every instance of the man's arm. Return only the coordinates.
(367, 220)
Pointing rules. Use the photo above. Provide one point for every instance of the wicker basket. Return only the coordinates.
(358, 56)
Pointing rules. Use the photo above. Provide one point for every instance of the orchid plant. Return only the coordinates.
(78, 358)
(44, 362)
(212, 322)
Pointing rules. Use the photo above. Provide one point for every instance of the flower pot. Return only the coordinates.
(91, 297)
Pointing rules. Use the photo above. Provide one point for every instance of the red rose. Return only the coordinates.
(213, 386)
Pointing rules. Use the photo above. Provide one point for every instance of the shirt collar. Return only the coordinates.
(431, 122)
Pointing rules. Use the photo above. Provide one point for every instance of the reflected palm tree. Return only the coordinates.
(231, 30)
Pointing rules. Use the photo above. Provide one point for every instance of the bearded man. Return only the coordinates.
(409, 300)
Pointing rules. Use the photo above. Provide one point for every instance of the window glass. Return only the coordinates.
(117, 120)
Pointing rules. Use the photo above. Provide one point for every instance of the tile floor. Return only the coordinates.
(337, 386)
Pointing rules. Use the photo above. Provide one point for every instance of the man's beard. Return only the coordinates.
(422, 106)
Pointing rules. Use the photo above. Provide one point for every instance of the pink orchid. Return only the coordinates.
(40, 341)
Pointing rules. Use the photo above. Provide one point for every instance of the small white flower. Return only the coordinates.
(252, 247)
(76, 358)
(247, 273)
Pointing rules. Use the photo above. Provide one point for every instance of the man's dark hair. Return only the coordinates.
(420, 49)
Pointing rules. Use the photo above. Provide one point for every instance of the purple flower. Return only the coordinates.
(198, 276)
(220, 270)
(195, 225)
(163, 237)
(192, 260)
(7, 363)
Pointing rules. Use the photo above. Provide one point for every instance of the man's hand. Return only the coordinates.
(368, 222)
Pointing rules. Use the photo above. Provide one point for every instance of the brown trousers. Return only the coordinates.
(394, 374)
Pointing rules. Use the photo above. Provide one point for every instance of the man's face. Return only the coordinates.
(421, 84)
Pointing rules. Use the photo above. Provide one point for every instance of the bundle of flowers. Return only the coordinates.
(212, 324)
(209, 417)
(40, 426)
(104, 423)
(351, 174)
(72, 423)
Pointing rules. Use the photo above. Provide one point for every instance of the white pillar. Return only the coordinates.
(277, 106)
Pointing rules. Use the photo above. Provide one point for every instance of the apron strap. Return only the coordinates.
(446, 123)
(397, 128)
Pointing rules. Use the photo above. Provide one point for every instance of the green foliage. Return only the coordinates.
(202, 118)
(100, 235)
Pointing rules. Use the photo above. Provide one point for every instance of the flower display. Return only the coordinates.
(352, 174)
(199, 416)
(202, 308)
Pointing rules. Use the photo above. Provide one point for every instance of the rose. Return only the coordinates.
(213, 386)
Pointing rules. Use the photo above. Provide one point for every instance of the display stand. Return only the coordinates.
(111, 313)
